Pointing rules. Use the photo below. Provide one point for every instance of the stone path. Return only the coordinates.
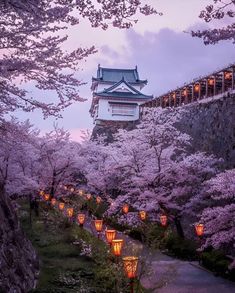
(170, 275)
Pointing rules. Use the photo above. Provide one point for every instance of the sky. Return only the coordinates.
(166, 55)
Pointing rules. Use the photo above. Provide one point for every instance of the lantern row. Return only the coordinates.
(219, 82)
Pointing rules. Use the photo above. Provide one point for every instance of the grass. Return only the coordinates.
(63, 268)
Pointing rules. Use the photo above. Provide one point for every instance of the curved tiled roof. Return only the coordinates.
(115, 75)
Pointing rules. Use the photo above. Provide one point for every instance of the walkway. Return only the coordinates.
(170, 275)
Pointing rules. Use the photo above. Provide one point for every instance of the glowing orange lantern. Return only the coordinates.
(130, 266)
(70, 212)
(46, 196)
(163, 220)
(197, 88)
(199, 229)
(110, 235)
(185, 92)
(81, 219)
(98, 199)
(227, 75)
(117, 245)
(61, 206)
(53, 201)
(80, 192)
(143, 215)
(125, 208)
(88, 196)
(98, 225)
(72, 189)
(211, 81)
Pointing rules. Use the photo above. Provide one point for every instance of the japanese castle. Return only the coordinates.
(117, 95)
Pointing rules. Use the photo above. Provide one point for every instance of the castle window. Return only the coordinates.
(123, 109)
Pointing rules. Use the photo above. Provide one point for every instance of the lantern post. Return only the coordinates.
(61, 206)
(130, 264)
(70, 213)
(199, 229)
(110, 236)
(98, 227)
(117, 245)
(81, 219)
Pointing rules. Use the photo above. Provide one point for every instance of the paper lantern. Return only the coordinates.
(163, 220)
(98, 225)
(81, 219)
(125, 208)
(70, 212)
(110, 235)
(211, 81)
(46, 196)
(117, 245)
(143, 215)
(197, 88)
(130, 266)
(61, 206)
(199, 228)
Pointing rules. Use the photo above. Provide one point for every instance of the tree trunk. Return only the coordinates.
(179, 228)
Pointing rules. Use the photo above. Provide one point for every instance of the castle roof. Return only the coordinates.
(129, 93)
(115, 75)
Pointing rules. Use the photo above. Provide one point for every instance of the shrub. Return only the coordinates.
(182, 248)
(217, 262)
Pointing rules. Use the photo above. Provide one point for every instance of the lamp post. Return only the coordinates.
(61, 206)
(199, 229)
(130, 264)
(98, 227)
(81, 219)
(110, 236)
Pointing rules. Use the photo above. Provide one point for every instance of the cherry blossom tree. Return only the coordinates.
(218, 214)
(58, 157)
(218, 10)
(18, 157)
(31, 48)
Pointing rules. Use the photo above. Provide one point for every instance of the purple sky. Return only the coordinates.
(164, 54)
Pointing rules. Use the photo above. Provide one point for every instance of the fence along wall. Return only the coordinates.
(215, 85)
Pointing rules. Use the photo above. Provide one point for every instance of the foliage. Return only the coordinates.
(72, 260)
(222, 11)
(182, 248)
(217, 262)
(32, 46)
